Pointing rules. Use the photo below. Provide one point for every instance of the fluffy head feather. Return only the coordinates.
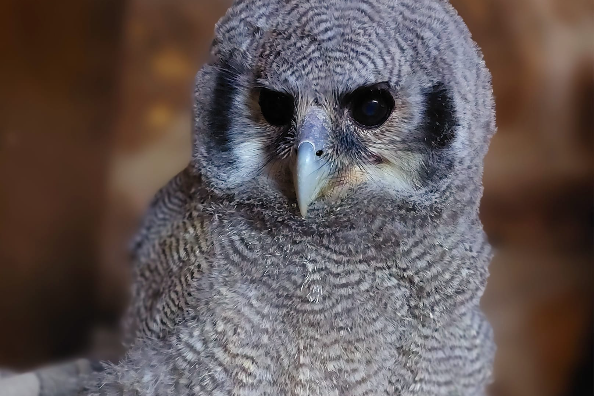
(321, 52)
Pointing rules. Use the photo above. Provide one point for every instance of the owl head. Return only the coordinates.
(314, 104)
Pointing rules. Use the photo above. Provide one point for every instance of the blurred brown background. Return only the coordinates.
(95, 100)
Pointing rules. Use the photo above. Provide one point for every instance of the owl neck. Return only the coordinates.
(382, 255)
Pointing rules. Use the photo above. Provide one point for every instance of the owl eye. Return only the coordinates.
(277, 107)
(371, 106)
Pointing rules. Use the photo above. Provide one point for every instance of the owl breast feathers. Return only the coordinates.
(324, 239)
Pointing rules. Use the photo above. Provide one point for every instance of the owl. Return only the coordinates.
(324, 239)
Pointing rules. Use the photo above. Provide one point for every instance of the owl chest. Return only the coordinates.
(309, 286)
(310, 333)
(281, 350)
(298, 319)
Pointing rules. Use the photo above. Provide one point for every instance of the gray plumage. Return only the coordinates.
(376, 290)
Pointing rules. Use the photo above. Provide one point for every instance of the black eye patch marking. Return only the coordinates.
(440, 117)
(277, 108)
(220, 114)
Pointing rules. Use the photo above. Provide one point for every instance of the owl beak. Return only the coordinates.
(311, 170)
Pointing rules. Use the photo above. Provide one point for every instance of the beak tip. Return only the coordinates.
(303, 211)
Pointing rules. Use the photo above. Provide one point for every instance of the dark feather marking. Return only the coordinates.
(440, 117)
(222, 104)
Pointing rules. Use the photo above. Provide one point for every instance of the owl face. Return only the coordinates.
(330, 106)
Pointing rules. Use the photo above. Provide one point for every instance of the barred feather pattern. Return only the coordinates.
(376, 294)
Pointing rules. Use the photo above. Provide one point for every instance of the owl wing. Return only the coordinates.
(168, 253)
